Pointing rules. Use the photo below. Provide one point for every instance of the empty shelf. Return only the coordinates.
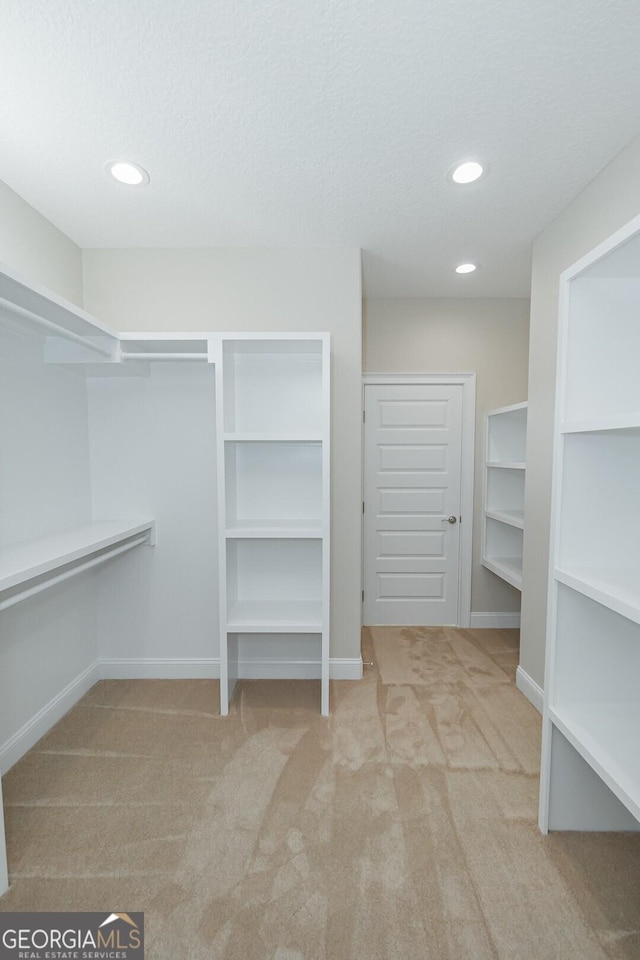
(605, 735)
(514, 518)
(21, 562)
(614, 587)
(509, 568)
(269, 616)
(302, 529)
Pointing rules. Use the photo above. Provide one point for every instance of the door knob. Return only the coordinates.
(450, 519)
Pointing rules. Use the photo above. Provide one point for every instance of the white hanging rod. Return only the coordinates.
(54, 327)
(163, 356)
(87, 565)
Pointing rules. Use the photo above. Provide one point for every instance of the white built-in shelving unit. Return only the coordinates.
(503, 517)
(273, 399)
(591, 761)
(226, 436)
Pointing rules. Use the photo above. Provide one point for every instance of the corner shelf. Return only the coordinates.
(503, 515)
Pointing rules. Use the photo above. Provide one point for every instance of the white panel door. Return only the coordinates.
(413, 447)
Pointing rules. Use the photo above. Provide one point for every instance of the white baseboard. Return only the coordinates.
(35, 728)
(168, 668)
(161, 668)
(532, 691)
(504, 621)
(345, 668)
(340, 668)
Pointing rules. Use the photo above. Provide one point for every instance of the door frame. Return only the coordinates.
(468, 383)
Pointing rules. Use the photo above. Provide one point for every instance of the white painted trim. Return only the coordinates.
(35, 728)
(388, 379)
(532, 690)
(511, 408)
(172, 668)
(345, 668)
(468, 383)
(160, 668)
(607, 246)
(496, 621)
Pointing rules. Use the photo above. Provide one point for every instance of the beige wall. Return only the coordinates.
(488, 337)
(610, 201)
(38, 250)
(261, 290)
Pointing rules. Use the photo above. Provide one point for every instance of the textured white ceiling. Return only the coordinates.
(319, 123)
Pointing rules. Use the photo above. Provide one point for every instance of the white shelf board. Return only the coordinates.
(509, 568)
(275, 616)
(605, 735)
(42, 302)
(515, 518)
(506, 465)
(272, 438)
(290, 529)
(25, 561)
(623, 421)
(510, 409)
(614, 587)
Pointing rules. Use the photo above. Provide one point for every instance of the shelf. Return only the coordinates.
(273, 484)
(506, 465)
(273, 383)
(271, 616)
(614, 587)
(605, 735)
(512, 408)
(503, 518)
(272, 438)
(50, 315)
(22, 562)
(627, 421)
(273, 529)
(506, 434)
(164, 346)
(509, 568)
(515, 518)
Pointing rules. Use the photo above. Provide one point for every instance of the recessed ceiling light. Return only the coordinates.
(125, 171)
(467, 172)
(466, 268)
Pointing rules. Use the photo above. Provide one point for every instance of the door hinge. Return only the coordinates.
(363, 596)
(363, 416)
(363, 506)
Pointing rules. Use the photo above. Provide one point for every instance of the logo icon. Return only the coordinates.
(74, 936)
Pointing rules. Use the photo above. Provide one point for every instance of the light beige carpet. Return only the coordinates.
(402, 827)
